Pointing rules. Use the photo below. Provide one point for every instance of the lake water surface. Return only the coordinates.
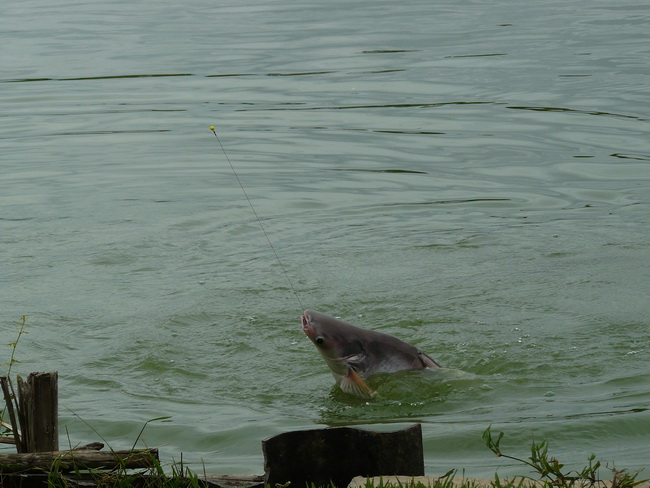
(471, 176)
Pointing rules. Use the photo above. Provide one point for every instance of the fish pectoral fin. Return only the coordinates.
(353, 384)
(355, 361)
(428, 361)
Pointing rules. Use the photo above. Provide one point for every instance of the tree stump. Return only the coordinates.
(339, 454)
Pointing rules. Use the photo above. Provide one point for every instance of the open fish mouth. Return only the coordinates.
(306, 326)
(309, 328)
(305, 323)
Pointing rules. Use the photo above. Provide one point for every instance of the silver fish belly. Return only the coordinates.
(353, 354)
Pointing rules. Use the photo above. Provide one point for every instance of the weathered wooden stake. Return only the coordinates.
(39, 402)
(34, 411)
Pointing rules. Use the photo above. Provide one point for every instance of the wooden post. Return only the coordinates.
(34, 411)
(39, 403)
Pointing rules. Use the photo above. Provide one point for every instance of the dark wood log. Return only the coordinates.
(78, 459)
(339, 454)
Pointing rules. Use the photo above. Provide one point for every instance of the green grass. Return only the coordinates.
(153, 477)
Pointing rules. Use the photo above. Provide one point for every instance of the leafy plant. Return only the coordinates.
(13, 345)
(552, 472)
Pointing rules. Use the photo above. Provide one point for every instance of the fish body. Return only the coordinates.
(354, 354)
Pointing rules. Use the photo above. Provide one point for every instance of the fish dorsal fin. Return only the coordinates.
(353, 384)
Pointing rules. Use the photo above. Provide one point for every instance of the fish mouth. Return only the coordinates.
(305, 322)
(306, 325)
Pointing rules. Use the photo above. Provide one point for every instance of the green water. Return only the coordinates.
(472, 177)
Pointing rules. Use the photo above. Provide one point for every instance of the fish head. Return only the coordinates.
(323, 332)
(335, 340)
(342, 348)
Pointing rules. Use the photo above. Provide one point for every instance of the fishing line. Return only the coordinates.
(259, 221)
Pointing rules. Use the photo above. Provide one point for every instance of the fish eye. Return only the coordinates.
(320, 340)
